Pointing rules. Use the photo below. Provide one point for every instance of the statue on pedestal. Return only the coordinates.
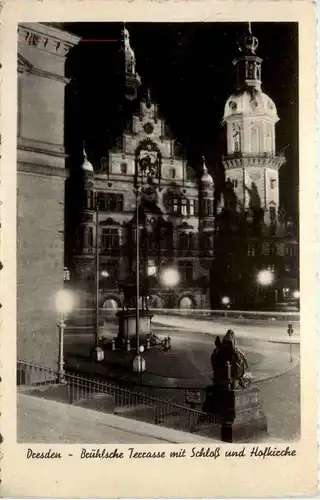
(231, 399)
(228, 363)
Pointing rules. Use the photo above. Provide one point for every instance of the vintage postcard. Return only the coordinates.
(158, 249)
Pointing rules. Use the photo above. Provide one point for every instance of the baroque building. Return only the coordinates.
(176, 219)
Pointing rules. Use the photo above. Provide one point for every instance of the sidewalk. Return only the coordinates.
(46, 421)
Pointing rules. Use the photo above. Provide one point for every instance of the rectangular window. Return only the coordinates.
(289, 251)
(123, 168)
(90, 199)
(90, 237)
(186, 270)
(184, 207)
(109, 239)
(234, 183)
(196, 207)
(273, 183)
(119, 202)
(173, 173)
(176, 205)
(251, 251)
(191, 207)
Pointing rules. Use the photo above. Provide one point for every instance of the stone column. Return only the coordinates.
(42, 51)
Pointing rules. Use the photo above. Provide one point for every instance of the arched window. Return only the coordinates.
(268, 138)
(236, 138)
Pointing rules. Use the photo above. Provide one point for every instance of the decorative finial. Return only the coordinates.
(204, 166)
(148, 96)
(86, 165)
(249, 43)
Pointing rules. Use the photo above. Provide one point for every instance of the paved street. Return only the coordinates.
(280, 399)
(271, 331)
(188, 363)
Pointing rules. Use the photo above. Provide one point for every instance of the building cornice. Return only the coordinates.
(41, 147)
(47, 38)
(241, 160)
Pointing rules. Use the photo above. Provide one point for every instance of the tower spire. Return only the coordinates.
(248, 64)
(133, 80)
(86, 165)
(204, 166)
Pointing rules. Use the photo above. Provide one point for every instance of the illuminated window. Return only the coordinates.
(251, 251)
(176, 205)
(191, 207)
(184, 207)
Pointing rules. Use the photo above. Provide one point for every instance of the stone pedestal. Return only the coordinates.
(127, 324)
(239, 413)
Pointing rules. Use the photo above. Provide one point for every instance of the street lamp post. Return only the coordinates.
(265, 278)
(138, 194)
(64, 305)
(97, 351)
(226, 302)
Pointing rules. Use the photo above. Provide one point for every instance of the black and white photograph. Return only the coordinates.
(158, 216)
(159, 243)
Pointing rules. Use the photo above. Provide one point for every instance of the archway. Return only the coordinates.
(110, 307)
(186, 304)
(155, 302)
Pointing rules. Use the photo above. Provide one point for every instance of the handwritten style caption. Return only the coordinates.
(194, 452)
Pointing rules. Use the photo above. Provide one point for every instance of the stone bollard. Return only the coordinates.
(128, 346)
(148, 344)
(113, 345)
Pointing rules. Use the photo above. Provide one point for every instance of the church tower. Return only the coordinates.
(251, 165)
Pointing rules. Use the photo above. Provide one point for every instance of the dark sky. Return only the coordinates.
(188, 67)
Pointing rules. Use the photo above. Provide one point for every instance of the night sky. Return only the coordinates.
(188, 67)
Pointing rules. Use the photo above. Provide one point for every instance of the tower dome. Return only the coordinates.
(86, 165)
(206, 178)
(250, 102)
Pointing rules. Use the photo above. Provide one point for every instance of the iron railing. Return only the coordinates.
(103, 396)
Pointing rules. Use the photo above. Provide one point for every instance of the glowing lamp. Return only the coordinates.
(265, 277)
(296, 294)
(152, 270)
(64, 302)
(225, 301)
